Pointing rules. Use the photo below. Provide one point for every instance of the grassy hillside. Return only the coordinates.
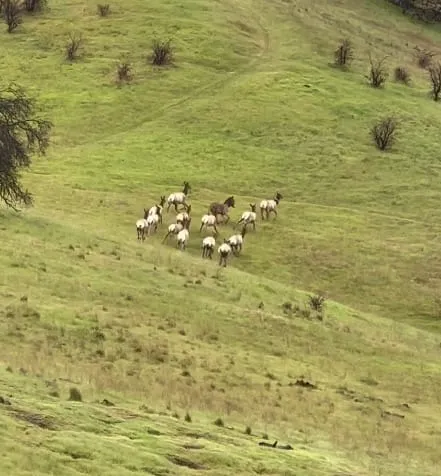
(251, 106)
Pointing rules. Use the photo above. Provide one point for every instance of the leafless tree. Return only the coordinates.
(435, 79)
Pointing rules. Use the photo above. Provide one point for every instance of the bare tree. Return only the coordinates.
(73, 46)
(103, 10)
(378, 72)
(344, 54)
(162, 52)
(22, 134)
(435, 79)
(383, 132)
(33, 6)
(12, 11)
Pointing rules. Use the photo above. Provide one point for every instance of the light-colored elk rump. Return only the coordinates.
(208, 244)
(182, 239)
(270, 206)
(249, 218)
(224, 251)
(183, 217)
(236, 241)
(141, 227)
(179, 198)
(156, 209)
(173, 229)
(222, 209)
(152, 224)
(208, 221)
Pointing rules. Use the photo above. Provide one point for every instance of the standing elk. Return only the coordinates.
(179, 198)
(269, 206)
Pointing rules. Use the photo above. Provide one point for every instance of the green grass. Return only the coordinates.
(251, 106)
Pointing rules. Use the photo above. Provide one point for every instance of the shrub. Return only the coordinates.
(103, 10)
(378, 73)
(344, 54)
(162, 53)
(33, 6)
(73, 46)
(12, 12)
(383, 133)
(317, 302)
(219, 422)
(401, 75)
(187, 417)
(75, 395)
(424, 57)
(435, 79)
(248, 430)
(124, 72)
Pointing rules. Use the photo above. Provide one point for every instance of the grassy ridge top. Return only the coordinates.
(251, 106)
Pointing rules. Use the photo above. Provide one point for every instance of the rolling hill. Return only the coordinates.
(178, 366)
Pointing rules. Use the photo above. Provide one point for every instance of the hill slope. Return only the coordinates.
(252, 106)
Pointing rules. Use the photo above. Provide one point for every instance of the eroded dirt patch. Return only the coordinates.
(35, 419)
(179, 461)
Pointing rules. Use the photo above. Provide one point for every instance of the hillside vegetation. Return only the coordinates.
(161, 344)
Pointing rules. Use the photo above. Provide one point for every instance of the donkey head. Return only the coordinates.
(162, 201)
(278, 197)
(253, 207)
(230, 202)
(146, 213)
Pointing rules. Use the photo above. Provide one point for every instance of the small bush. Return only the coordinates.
(73, 46)
(187, 417)
(424, 57)
(124, 72)
(103, 10)
(248, 430)
(317, 302)
(435, 79)
(33, 6)
(219, 422)
(383, 133)
(401, 75)
(75, 395)
(344, 54)
(12, 12)
(162, 53)
(377, 73)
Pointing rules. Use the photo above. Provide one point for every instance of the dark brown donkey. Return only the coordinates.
(217, 208)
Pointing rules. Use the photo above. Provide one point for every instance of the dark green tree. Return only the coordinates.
(22, 134)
